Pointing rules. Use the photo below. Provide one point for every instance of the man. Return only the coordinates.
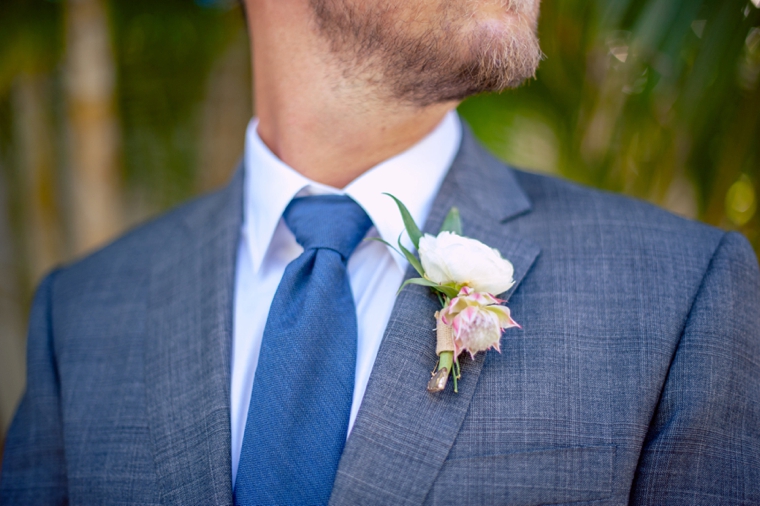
(225, 351)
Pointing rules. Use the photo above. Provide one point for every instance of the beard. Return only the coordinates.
(424, 55)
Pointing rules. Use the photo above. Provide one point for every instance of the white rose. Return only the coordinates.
(451, 258)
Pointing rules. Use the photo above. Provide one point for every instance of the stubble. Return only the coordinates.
(424, 57)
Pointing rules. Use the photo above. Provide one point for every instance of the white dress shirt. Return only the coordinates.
(267, 246)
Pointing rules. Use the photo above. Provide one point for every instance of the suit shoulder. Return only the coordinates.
(128, 258)
(571, 203)
(739, 249)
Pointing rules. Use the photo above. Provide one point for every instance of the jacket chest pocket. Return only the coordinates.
(538, 477)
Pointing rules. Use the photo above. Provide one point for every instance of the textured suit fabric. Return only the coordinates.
(635, 377)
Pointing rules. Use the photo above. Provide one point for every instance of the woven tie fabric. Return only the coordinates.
(302, 392)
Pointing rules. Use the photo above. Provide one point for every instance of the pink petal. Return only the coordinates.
(505, 318)
(469, 314)
(444, 313)
(456, 324)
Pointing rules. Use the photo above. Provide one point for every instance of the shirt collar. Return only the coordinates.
(413, 176)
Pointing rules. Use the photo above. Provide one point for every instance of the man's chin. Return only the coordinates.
(478, 46)
(504, 54)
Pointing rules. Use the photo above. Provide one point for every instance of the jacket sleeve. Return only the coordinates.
(34, 468)
(703, 443)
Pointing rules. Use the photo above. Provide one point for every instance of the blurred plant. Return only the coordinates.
(31, 34)
(165, 51)
(30, 233)
(101, 109)
(107, 107)
(657, 99)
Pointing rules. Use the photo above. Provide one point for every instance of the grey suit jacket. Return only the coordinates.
(635, 377)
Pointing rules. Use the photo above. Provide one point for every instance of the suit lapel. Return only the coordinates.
(187, 353)
(403, 434)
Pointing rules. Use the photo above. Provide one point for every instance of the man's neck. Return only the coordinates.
(328, 126)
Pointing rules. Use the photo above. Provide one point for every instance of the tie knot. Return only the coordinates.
(327, 221)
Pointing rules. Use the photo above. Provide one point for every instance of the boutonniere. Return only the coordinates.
(465, 274)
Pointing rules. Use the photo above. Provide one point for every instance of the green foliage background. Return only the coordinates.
(632, 96)
(657, 99)
(164, 53)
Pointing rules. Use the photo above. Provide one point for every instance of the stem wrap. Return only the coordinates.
(444, 335)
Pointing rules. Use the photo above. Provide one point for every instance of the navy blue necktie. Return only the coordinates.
(303, 387)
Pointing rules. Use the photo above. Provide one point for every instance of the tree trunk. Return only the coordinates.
(96, 211)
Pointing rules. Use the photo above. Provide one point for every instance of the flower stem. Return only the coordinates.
(441, 374)
(455, 373)
(446, 359)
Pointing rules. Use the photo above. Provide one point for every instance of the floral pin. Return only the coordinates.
(465, 274)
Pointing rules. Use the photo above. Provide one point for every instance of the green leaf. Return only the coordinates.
(411, 258)
(448, 291)
(380, 239)
(411, 227)
(453, 222)
(418, 281)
